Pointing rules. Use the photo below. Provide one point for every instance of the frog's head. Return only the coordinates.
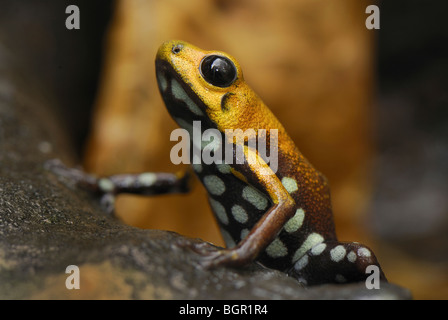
(207, 86)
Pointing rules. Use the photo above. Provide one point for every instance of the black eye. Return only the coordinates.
(218, 71)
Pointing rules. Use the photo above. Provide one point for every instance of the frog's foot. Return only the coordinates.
(222, 258)
(200, 247)
(335, 262)
(72, 175)
(101, 187)
(205, 250)
(212, 257)
(107, 203)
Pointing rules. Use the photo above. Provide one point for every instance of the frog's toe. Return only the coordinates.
(200, 248)
(72, 175)
(107, 203)
(212, 259)
(211, 256)
(57, 167)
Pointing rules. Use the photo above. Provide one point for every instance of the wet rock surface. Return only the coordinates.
(47, 224)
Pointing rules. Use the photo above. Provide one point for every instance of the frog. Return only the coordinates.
(277, 215)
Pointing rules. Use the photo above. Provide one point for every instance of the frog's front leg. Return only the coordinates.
(255, 174)
(107, 188)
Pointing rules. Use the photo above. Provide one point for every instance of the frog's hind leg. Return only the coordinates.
(335, 262)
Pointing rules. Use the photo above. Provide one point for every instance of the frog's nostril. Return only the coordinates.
(177, 48)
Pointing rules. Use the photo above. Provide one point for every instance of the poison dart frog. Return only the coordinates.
(280, 217)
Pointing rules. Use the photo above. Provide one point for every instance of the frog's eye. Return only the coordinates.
(218, 71)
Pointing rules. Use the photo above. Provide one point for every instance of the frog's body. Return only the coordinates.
(283, 217)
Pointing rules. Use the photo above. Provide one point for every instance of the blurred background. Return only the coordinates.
(369, 108)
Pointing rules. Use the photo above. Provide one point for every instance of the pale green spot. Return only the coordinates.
(276, 249)
(312, 240)
(317, 250)
(364, 252)
(290, 184)
(179, 93)
(106, 185)
(337, 253)
(219, 211)
(244, 233)
(239, 214)
(302, 263)
(295, 222)
(214, 185)
(223, 168)
(351, 256)
(162, 81)
(255, 197)
(147, 179)
(229, 241)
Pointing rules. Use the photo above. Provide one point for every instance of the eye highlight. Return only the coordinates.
(218, 71)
